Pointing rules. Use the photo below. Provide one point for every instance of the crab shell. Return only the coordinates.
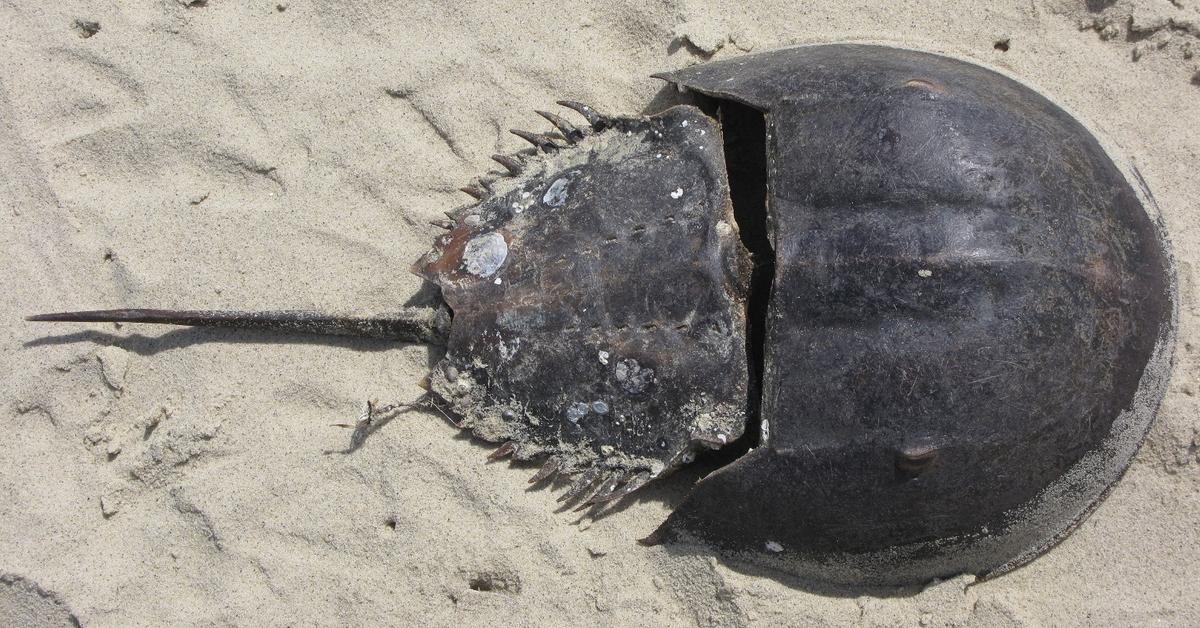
(598, 299)
(967, 333)
(970, 325)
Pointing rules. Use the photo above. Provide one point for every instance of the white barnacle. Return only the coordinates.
(765, 431)
(556, 194)
(577, 411)
(507, 351)
(603, 355)
(677, 193)
(684, 124)
(485, 254)
(924, 272)
(631, 377)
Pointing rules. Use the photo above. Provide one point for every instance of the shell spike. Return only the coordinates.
(540, 140)
(594, 488)
(507, 449)
(549, 469)
(569, 131)
(633, 483)
(594, 118)
(587, 479)
(474, 190)
(605, 490)
(512, 165)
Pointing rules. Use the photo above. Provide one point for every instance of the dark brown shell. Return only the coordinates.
(969, 329)
(962, 315)
(598, 299)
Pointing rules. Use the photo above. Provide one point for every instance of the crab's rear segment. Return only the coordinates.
(598, 299)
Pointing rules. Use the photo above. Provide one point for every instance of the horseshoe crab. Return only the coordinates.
(940, 307)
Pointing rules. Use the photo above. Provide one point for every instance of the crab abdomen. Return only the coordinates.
(598, 302)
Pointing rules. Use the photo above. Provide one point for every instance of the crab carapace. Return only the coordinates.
(940, 307)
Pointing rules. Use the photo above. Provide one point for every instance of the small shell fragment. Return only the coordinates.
(556, 194)
(577, 411)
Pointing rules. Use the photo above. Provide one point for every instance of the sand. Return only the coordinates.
(289, 155)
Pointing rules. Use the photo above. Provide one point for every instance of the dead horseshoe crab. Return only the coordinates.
(938, 303)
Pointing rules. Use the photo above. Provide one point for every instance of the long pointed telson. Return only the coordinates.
(425, 325)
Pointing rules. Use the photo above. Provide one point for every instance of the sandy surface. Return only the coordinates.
(263, 155)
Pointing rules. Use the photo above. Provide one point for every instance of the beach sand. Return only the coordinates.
(289, 154)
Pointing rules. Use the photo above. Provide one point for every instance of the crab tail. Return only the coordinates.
(425, 325)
